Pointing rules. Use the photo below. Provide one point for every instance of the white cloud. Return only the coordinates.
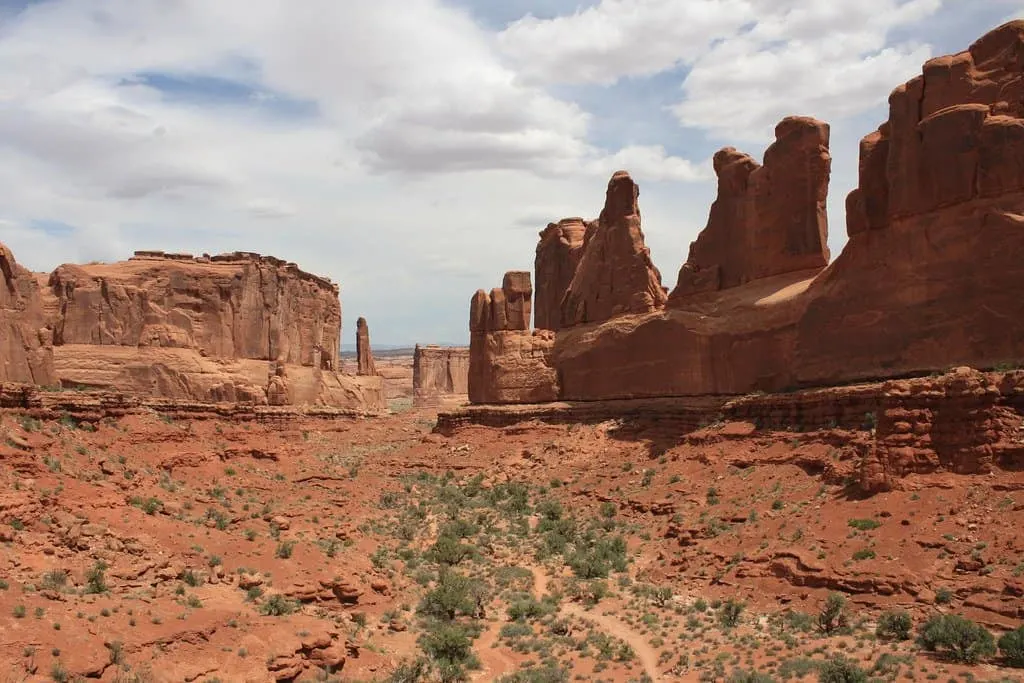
(621, 38)
(750, 62)
(828, 60)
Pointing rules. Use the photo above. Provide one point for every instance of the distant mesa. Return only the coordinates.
(238, 327)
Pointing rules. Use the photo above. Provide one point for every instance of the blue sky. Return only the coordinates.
(411, 150)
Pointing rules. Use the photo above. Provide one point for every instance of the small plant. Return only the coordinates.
(863, 524)
(729, 613)
(833, 615)
(190, 577)
(864, 554)
(960, 639)
(894, 625)
(277, 605)
(96, 579)
(19, 611)
(841, 670)
(943, 596)
(1011, 645)
(284, 549)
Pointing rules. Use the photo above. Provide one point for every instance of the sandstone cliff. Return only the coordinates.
(615, 273)
(236, 327)
(930, 278)
(238, 305)
(439, 374)
(25, 350)
(558, 256)
(767, 220)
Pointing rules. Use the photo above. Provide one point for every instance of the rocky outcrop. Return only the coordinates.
(615, 274)
(508, 363)
(558, 256)
(931, 275)
(236, 327)
(25, 350)
(238, 305)
(965, 421)
(930, 278)
(364, 354)
(439, 374)
(767, 220)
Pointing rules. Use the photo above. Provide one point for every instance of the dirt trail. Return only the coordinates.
(609, 624)
(495, 662)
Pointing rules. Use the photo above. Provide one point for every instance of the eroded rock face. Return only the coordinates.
(931, 275)
(964, 422)
(767, 220)
(364, 354)
(558, 256)
(508, 363)
(439, 374)
(615, 274)
(25, 350)
(237, 327)
(238, 305)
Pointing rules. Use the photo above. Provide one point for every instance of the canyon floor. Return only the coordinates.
(150, 547)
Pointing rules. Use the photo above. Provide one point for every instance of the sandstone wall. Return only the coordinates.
(767, 220)
(931, 275)
(930, 279)
(558, 256)
(238, 305)
(25, 350)
(439, 374)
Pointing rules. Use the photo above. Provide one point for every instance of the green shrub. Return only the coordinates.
(729, 613)
(959, 639)
(448, 550)
(450, 647)
(96, 579)
(894, 624)
(1011, 645)
(833, 615)
(841, 670)
(741, 676)
(864, 524)
(277, 605)
(454, 594)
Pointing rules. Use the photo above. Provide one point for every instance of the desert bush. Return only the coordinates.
(841, 670)
(894, 624)
(1011, 645)
(833, 615)
(959, 639)
(453, 595)
(729, 613)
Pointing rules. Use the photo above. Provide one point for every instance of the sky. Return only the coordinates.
(412, 150)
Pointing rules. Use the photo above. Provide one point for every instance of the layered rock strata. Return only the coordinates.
(508, 363)
(439, 374)
(364, 354)
(26, 353)
(558, 256)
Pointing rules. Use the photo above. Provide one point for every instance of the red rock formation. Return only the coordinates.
(615, 274)
(931, 275)
(206, 329)
(964, 422)
(767, 220)
(238, 305)
(25, 351)
(364, 354)
(508, 363)
(439, 374)
(558, 255)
